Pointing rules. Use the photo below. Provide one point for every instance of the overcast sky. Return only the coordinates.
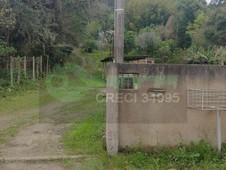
(208, 1)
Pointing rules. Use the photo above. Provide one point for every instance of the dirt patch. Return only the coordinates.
(42, 139)
(7, 119)
(29, 166)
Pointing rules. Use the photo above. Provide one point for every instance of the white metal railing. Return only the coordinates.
(209, 99)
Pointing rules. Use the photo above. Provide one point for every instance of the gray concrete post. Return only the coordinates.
(219, 131)
(112, 129)
(119, 31)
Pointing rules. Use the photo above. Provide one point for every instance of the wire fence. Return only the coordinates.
(28, 67)
(208, 99)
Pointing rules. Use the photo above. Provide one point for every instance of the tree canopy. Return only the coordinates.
(162, 29)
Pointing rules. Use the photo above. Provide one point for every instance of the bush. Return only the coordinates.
(89, 45)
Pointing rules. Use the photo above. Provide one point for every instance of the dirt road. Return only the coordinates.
(37, 142)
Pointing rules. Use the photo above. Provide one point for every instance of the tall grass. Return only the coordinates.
(86, 137)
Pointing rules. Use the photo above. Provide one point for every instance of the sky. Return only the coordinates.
(208, 1)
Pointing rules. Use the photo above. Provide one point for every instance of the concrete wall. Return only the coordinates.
(148, 119)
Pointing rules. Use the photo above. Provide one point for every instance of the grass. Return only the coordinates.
(17, 112)
(71, 83)
(88, 129)
(90, 62)
(88, 122)
(85, 137)
(78, 88)
(67, 84)
(20, 107)
(22, 101)
(15, 125)
(24, 98)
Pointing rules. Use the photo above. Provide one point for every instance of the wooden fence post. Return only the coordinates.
(25, 66)
(37, 66)
(18, 61)
(11, 71)
(7, 65)
(33, 59)
(41, 71)
(47, 65)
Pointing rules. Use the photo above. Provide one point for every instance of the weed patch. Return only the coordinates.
(85, 137)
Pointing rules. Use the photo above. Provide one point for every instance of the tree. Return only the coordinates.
(219, 55)
(129, 42)
(196, 30)
(150, 12)
(5, 50)
(32, 26)
(7, 19)
(217, 2)
(148, 40)
(215, 27)
(169, 30)
(187, 10)
(103, 15)
(166, 49)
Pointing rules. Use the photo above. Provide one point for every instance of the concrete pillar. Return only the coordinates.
(112, 128)
(112, 122)
(119, 31)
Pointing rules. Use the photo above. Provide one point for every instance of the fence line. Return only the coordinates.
(19, 67)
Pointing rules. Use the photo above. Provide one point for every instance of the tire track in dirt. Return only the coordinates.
(41, 139)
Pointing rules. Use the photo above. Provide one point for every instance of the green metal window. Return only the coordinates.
(128, 81)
